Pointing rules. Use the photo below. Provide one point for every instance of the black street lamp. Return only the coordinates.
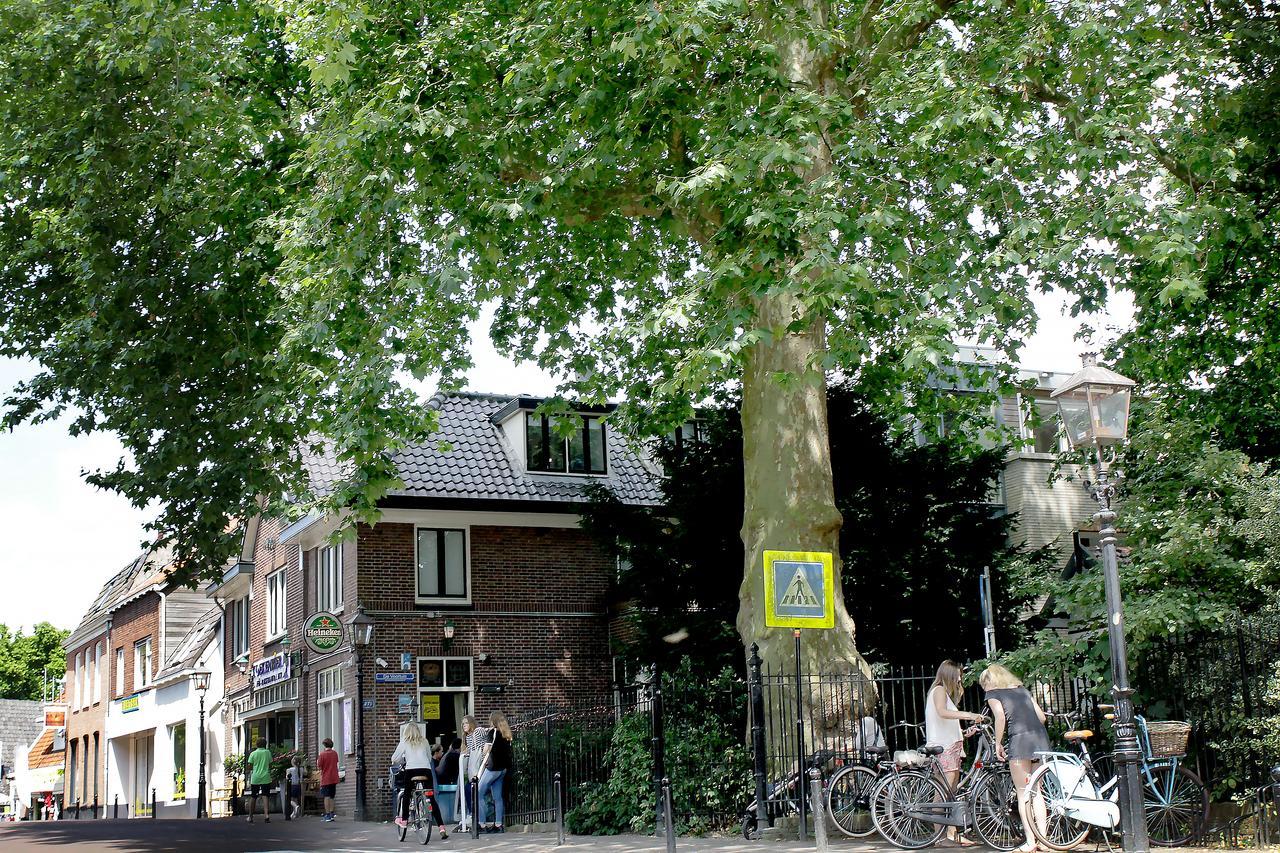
(1094, 404)
(200, 679)
(361, 637)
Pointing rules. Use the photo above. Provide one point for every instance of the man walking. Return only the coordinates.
(260, 779)
(328, 764)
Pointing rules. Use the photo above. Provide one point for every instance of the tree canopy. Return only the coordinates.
(25, 657)
(230, 228)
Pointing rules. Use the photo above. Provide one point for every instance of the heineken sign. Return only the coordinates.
(322, 633)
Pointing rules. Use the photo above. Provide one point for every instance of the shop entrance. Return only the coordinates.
(143, 764)
(444, 697)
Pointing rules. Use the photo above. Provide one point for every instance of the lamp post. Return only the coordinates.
(200, 678)
(361, 636)
(1094, 405)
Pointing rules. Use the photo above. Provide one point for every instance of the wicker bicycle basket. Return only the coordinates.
(1168, 738)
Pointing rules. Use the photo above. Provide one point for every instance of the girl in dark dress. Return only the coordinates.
(1015, 709)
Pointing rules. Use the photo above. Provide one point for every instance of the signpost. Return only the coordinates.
(799, 593)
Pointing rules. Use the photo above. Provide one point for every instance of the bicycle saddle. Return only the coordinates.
(1078, 734)
(932, 750)
(877, 750)
(419, 778)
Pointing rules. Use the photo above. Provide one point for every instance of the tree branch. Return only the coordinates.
(906, 37)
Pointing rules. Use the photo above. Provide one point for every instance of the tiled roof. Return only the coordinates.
(479, 465)
(20, 722)
(145, 569)
(187, 652)
(42, 753)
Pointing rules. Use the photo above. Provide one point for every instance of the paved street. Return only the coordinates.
(187, 836)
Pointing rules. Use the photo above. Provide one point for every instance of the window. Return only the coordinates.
(178, 737)
(119, 672)
(97, 673)
(74, 766)
(689, 432)
(546, 450)
(75, 682)
(329, 578)
(142, 664)
(275, 604)
(442, 564)
(238, 627)
(96, 764)
(1043, 430)
(329, 696)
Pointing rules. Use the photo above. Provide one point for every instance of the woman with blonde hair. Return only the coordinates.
(1013, 707)
(942, 727)
(496, 764)
(414, 752)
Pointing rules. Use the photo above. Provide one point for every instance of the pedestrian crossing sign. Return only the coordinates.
(799, 589)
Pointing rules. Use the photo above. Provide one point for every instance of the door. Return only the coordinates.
(143, 763)
(442, 713)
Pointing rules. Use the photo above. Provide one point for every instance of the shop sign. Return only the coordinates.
(404, 704)
(55, 718)
(272, 670)
(129, 703)
(430, 706)
(393, 678)
(348, 717)
(322, 632)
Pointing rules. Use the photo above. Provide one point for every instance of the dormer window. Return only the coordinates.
(581, 453)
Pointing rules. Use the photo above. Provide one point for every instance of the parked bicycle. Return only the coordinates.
(912, 805)
(848, 796)
(419, 808)
(1077, 797)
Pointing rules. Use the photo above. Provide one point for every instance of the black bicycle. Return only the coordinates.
(419, 808)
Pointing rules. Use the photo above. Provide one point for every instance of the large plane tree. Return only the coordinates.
(231, 227)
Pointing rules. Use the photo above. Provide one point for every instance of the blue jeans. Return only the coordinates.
(491, 782)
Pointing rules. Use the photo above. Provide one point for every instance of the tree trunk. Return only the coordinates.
(790, 497)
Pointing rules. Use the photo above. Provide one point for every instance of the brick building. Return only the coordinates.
(485, 593)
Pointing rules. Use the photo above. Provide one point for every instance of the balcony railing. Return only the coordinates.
(275, 695)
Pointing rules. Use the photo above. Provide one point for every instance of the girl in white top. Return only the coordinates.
(942, 726)
(414, 751)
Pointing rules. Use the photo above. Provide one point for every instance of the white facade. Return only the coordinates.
(153, 735)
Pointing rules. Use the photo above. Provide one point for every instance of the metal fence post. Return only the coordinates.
(546, 734)
(815, 807)
(666, 814)
(559, 795)
(800, 762)
(659, 748)
(153, 803)
(476, 809)
(758, 759)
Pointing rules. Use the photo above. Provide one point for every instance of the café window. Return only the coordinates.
(442, 566)
(329, 696)
(444, 673)
(548, 451)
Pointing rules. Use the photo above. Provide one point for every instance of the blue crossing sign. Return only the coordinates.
(799, 589)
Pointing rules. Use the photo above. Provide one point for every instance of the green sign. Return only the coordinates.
(322, 633)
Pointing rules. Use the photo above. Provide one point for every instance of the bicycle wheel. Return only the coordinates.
(1061, 832)
(421, 817)
(849, 800)
(1177, 804)
(898, 806)
(993, 810)
(401, 831)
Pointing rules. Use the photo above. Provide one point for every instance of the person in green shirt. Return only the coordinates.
(259, 778)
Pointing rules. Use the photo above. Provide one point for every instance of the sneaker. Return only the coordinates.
(266, 820)
(250, 818)
(294, 814)
(402, 823)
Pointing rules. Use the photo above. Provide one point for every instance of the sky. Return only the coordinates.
(63, 538)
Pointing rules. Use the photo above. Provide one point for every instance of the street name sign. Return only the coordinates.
(799, 589)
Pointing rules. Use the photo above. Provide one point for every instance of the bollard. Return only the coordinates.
(95, 806)
(559, 794)
(153, 803)
(476, 810)
(77, 808)
(666, 815)
(284, 797)
(815, 808)
(115, 809)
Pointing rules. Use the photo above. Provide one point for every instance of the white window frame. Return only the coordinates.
(120, 672)
(329, 579)
(465, 530)
(1027, 433)
(330, 693)
(97, 672)
(76, 684)
(446, 687)
(238, 627)
(142, 664)
(277, 605)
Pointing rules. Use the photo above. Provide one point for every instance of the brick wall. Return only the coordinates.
(83, 723)
(131, 623)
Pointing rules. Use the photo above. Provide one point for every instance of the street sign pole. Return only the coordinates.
(799, 736)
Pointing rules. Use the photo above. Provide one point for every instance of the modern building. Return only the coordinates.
(132, 700)
(21, 722)
(483, 590)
